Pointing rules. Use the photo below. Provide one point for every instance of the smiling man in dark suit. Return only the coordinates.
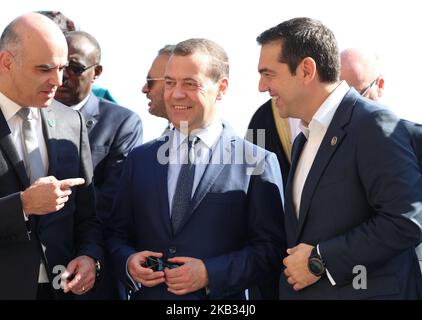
(215, 210)
(353, 197)
(45, 226)
(113, 130)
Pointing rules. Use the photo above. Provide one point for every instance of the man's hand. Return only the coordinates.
(79, 276)
(47, 195)
(296, 263)
(189, 277)
(145, 276)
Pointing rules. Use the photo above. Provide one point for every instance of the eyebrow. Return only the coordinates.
(49, 66)
(262, 70)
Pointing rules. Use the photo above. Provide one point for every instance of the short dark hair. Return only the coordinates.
(306, 37)
(91, 40)
(219, 61)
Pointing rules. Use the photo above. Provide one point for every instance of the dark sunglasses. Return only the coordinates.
(77, 69)
(157, 264)
(151, 81)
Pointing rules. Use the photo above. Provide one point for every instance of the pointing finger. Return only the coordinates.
(68, 183)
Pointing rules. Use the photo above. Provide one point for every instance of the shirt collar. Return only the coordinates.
(81, 104)
(325, 113)
(207, 135)
(10, 108)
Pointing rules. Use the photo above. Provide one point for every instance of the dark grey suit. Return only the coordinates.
(71, 232)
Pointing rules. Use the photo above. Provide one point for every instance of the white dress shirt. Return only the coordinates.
(178, 155)
(314, 134)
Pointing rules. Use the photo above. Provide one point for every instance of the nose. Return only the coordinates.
(262, 85)
(178, 92)
(56, 78)
(145, 88)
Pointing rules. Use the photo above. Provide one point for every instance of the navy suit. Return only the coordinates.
(235, 224)
(113, 131)
(359, 203)
(70, 232)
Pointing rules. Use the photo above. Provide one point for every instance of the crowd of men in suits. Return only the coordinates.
(89, 212)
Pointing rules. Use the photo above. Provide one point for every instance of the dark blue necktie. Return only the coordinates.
(183, 192)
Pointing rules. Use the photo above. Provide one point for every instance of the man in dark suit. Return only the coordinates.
(48, 232)
(353, 201)
(216, 213)
(113, 130)
(362, 70)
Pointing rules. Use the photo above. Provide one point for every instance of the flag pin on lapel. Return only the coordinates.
(51, 122)
(333, 141)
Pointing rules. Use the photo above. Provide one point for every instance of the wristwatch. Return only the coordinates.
(315, 263)
(97, 269)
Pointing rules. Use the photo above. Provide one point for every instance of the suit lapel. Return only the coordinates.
(161, 174)
(331, 141)
(90, 111)
(48, 117)
(6, 143)
(212, 171)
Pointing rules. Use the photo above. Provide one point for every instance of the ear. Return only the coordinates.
(98, 70)
(6, 61)
(307, 69)
(380, 86)
(222, 88)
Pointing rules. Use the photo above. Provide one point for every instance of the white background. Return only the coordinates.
(130, 33)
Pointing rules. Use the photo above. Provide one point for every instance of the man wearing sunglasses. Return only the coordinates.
(113, 130)
(154, 85)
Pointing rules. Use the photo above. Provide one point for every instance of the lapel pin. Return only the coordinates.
(51, 122)
(90, 123)
(333, 141)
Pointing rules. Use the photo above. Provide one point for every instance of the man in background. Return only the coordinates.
(113, 130)
(362, 70)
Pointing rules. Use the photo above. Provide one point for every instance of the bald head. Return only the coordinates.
(31, 30)
(360, 69)
(33, 52)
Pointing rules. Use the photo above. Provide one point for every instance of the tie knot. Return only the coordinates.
(24, 113)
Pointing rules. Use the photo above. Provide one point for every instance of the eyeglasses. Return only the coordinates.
(157, 264)
(151, 81)
(77, 69)
(363, 92)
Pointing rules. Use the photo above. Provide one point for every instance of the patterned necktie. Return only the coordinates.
(32, 155)
(183, 192)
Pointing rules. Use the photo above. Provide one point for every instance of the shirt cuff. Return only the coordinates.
(326, 270)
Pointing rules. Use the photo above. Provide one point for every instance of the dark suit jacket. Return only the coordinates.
(359, 203)
(71, 232)
(113, 131)
(264, 119)
(234, 224)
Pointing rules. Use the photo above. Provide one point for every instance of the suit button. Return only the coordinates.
(172, 250)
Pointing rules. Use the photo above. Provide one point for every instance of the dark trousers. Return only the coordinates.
(45, 292)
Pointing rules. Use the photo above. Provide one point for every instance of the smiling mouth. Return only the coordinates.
(181, 107)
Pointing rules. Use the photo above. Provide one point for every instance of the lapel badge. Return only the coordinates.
(89, 123)
(51, 122)
(333, 141)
